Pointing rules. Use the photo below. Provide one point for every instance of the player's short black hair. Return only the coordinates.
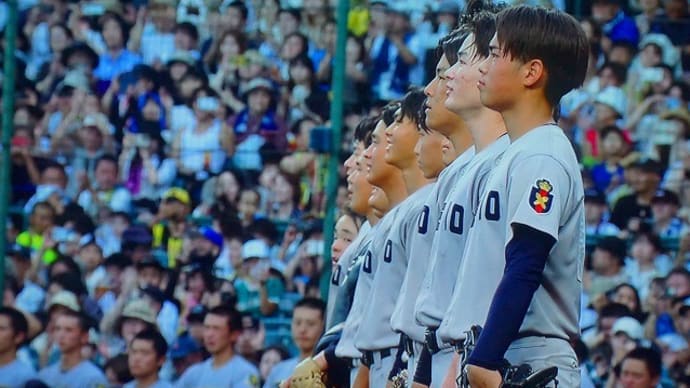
(554, 37)
(650, 357)
(108, 158)
(410, 105)
(388, 112)
(365, 128)
(479, 20)
(233, 317)
(18, 321)
(314, 304)
(450, 44)
(156, 339)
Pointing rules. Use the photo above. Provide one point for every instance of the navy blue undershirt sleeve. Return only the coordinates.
(526, 256)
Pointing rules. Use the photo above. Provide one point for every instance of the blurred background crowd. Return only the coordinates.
(164, 163)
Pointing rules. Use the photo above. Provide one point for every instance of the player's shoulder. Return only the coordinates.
(241, 365)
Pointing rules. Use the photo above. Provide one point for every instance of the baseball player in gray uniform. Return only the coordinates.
(535, 201)
(375, 338)
(430, 155)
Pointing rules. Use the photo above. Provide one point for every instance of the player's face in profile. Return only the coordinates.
(499, 83)
(350, 161)
(345, 233)
(401, 138)
(377, 168)
(461, 89)
(430, 153)
(438, 117)
(359, 189)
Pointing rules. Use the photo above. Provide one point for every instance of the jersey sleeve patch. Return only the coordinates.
(541, 197)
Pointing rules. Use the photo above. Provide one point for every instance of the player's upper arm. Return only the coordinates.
(539, 193)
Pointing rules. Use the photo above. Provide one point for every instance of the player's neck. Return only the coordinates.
(395, 189)
(414, 178)
(70, 360)
(221, 358)
(146, 382)
(372, 217)
(525, 115)
(8, 357)
(485, 126)
(461, 138)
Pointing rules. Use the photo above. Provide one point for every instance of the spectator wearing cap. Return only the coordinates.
(646, 261)
(136, 317)
(607, 266)
(184, 352)
(72, 333)
(597, 215)
(257, 125)
(616, 25)
(15, 332)
(258, 293)
(201, 148)
(608, 315)
(116, 59)
(195, 323)
(673, 346)
(105, 193)
(634, 209)
(58, 304)
(206, 246)
(170, 225)
(51, 188)
(31, 296)
(146, 357)
(665, 205)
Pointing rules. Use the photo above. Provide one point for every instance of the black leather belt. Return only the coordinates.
(368, 356)
(408, 343)
(531, 333)
(430, 338)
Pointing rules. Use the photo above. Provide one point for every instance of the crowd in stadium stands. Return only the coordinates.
(162, 172)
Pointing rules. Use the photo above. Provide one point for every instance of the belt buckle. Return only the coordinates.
(430, 337)
(409, 346)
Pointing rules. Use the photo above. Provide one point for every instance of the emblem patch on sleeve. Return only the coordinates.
(540, 198)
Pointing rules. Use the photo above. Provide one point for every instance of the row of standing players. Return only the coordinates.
(475, 213)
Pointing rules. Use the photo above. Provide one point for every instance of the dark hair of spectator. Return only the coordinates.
(156, 339)
(121, 23)
(233, 317)
(118, 260)
(64, 28)
(652, 238)
(362, 48)
(650, 357)
(12, 284)
(284, 354)
(637, 312)
(108, 158)
(189, 29)
(120, 368)
(18, 321)
(620, 71)
(70, 281)
(312, 303)
(302, 60)
(410, 105)
(264, 228)
(614, 310)
(214, 56)
(303, 38)
(44, 205)
(679, 271)
(240, 6)
(554, 37)
(83, 321)
(292, 11)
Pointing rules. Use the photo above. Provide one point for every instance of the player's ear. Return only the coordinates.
(534, 72)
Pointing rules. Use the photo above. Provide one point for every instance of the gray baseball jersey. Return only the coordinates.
(420, 245)
(340, 271)
(450, 238)
(535, 183)
(375, 331)
(346, 346)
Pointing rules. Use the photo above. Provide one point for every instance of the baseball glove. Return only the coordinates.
(307, 374)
